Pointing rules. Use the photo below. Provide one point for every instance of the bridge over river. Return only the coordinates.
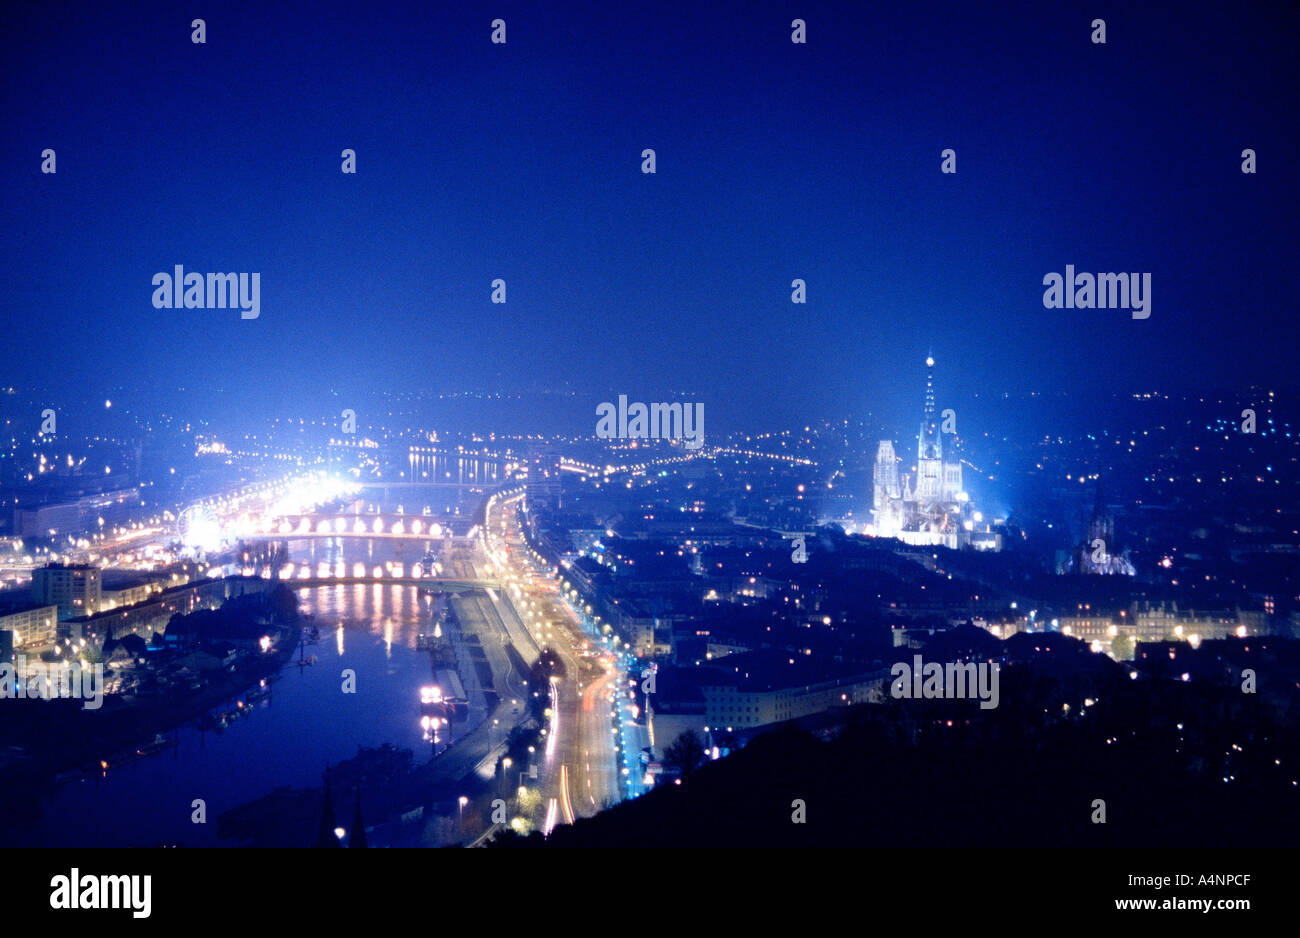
(432, 583)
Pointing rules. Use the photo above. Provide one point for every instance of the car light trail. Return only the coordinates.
(564, 794)
(554, 733)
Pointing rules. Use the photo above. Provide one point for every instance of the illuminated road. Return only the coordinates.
(577, 773)
(507, 595)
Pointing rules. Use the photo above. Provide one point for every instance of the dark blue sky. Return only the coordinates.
(775, 161)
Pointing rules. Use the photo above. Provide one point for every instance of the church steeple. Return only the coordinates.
(326, 837)
(358, 838)
(929, 445)
(929, 385)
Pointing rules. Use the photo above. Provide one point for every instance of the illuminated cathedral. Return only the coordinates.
(1100, 553)
(930, 508)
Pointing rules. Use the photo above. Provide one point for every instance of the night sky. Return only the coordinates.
(775, 161)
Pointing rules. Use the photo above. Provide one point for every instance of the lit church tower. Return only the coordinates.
(887, 499)
(933, 508)
(929, 446)
(886, 475)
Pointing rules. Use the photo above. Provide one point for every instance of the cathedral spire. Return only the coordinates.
(326, 837)
(358, 838)
(927, 444)
(929, 386)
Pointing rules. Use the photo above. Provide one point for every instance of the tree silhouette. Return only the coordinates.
(685, 753)
(547, 666)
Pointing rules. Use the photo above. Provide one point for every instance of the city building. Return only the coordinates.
(1100, 553)
(33, 625)
(932, 509)
(543, 487)
(744, 707)
(760, 688)
(74, 588)
(152, 615)
(85, 514)
(1116, 632)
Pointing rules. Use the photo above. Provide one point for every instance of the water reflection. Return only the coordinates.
(287, 738)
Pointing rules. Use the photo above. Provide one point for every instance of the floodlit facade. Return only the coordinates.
(933, 510)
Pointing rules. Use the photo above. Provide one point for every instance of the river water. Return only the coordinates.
(288, 739)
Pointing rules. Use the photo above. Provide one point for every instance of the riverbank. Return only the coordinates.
(52, 738)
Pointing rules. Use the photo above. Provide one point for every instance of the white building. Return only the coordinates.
(936, 511)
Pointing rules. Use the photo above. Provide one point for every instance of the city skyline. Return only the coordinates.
(769, 425)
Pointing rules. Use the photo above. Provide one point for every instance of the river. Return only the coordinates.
(288, 738)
